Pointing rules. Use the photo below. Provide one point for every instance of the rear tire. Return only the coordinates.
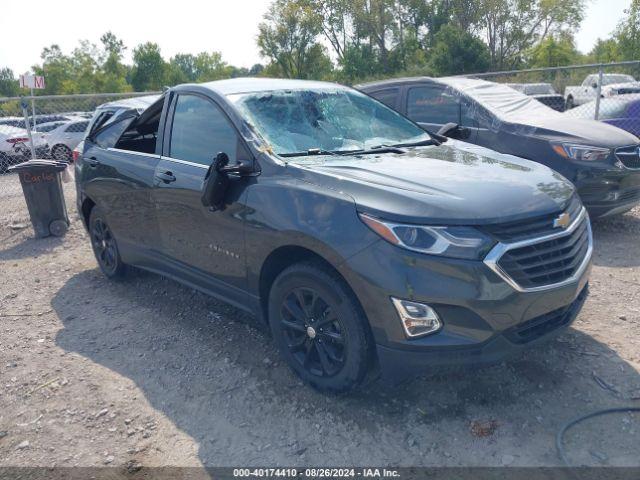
(319, 327)
(569, 105)
(61, 153)
(105, 247)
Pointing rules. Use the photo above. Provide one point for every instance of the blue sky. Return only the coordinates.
(227, 26)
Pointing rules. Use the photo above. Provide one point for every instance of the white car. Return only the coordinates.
(15, 148)
(65, 137)
(612, 84)
(109, 112)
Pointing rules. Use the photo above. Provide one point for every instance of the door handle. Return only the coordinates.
(166, 177)
(93, 162)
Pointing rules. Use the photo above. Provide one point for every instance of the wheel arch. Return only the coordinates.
(60, 145)
(85, 210)
(285, 256)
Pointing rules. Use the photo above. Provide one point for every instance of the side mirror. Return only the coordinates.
(216, 182)
(238, 168)
(453, 130)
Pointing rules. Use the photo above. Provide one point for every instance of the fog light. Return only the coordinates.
(417, 319)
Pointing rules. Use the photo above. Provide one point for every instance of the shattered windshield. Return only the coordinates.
(336, 120)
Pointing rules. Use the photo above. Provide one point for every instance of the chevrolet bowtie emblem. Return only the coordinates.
(562, 221)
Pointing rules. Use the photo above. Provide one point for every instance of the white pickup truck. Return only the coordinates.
(612, 84)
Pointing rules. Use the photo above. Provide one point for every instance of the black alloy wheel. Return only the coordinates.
(314, 333)
(319, 327)
(105, 247)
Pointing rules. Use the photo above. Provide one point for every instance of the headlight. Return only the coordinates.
(454, 241)
(581, 152)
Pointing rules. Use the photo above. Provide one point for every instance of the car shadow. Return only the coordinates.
(212, 370)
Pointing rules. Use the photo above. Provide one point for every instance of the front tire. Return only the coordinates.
(319, 327)
(105, 247)
(570, 104)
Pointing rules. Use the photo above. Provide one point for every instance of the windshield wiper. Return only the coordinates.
(382, 148)
(318, 151)
(396, 147)
(422, 143)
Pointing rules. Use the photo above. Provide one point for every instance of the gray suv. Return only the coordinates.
(365, 244)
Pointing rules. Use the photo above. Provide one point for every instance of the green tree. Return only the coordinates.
(113, 69)
(85, 75)
(287, 37)
(512, 27)
(209, 66)
(203, 67)
(628, 33)
(56, 68)
(149, 68)
(554, 51)
(8, 83)
(256, 69)
(605, 51)
(456, 51)
(186, 64)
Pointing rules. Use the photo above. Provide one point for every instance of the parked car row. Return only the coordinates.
(443, 224)
(54, 136)
(622, 112)
(619, 105)
(602, 161)
(612, 84)
(543, 92)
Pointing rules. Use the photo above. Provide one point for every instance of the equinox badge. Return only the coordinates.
(563, 220)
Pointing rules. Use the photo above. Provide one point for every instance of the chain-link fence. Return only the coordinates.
(608, 93)
(51, 126)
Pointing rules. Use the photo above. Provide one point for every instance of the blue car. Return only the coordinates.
(622, 111)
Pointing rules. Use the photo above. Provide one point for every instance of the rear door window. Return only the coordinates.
(388, 96)
(108, 136)
(200, 131)
(432, 104)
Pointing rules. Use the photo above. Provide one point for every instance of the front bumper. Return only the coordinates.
(23, 153)
(608, 191)
(399, 364)
(484, 318)
(608, 197)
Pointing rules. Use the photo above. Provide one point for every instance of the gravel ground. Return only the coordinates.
(149, 372)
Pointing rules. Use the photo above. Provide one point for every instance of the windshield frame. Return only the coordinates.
(233, 99)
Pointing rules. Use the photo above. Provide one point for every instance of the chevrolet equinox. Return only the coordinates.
(366, 244)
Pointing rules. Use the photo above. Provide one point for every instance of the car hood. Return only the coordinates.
(562, 127)
(546, 95)
(613, 86)
(454, 183)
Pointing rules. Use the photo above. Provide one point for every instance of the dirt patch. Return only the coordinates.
(149, 372)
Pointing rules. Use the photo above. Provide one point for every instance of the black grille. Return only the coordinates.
(630, 195)
(548, 262)
(532, 227)
(544, 324)
(627, 90)
(629, 156)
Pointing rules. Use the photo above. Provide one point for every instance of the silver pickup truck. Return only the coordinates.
(612, 84)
